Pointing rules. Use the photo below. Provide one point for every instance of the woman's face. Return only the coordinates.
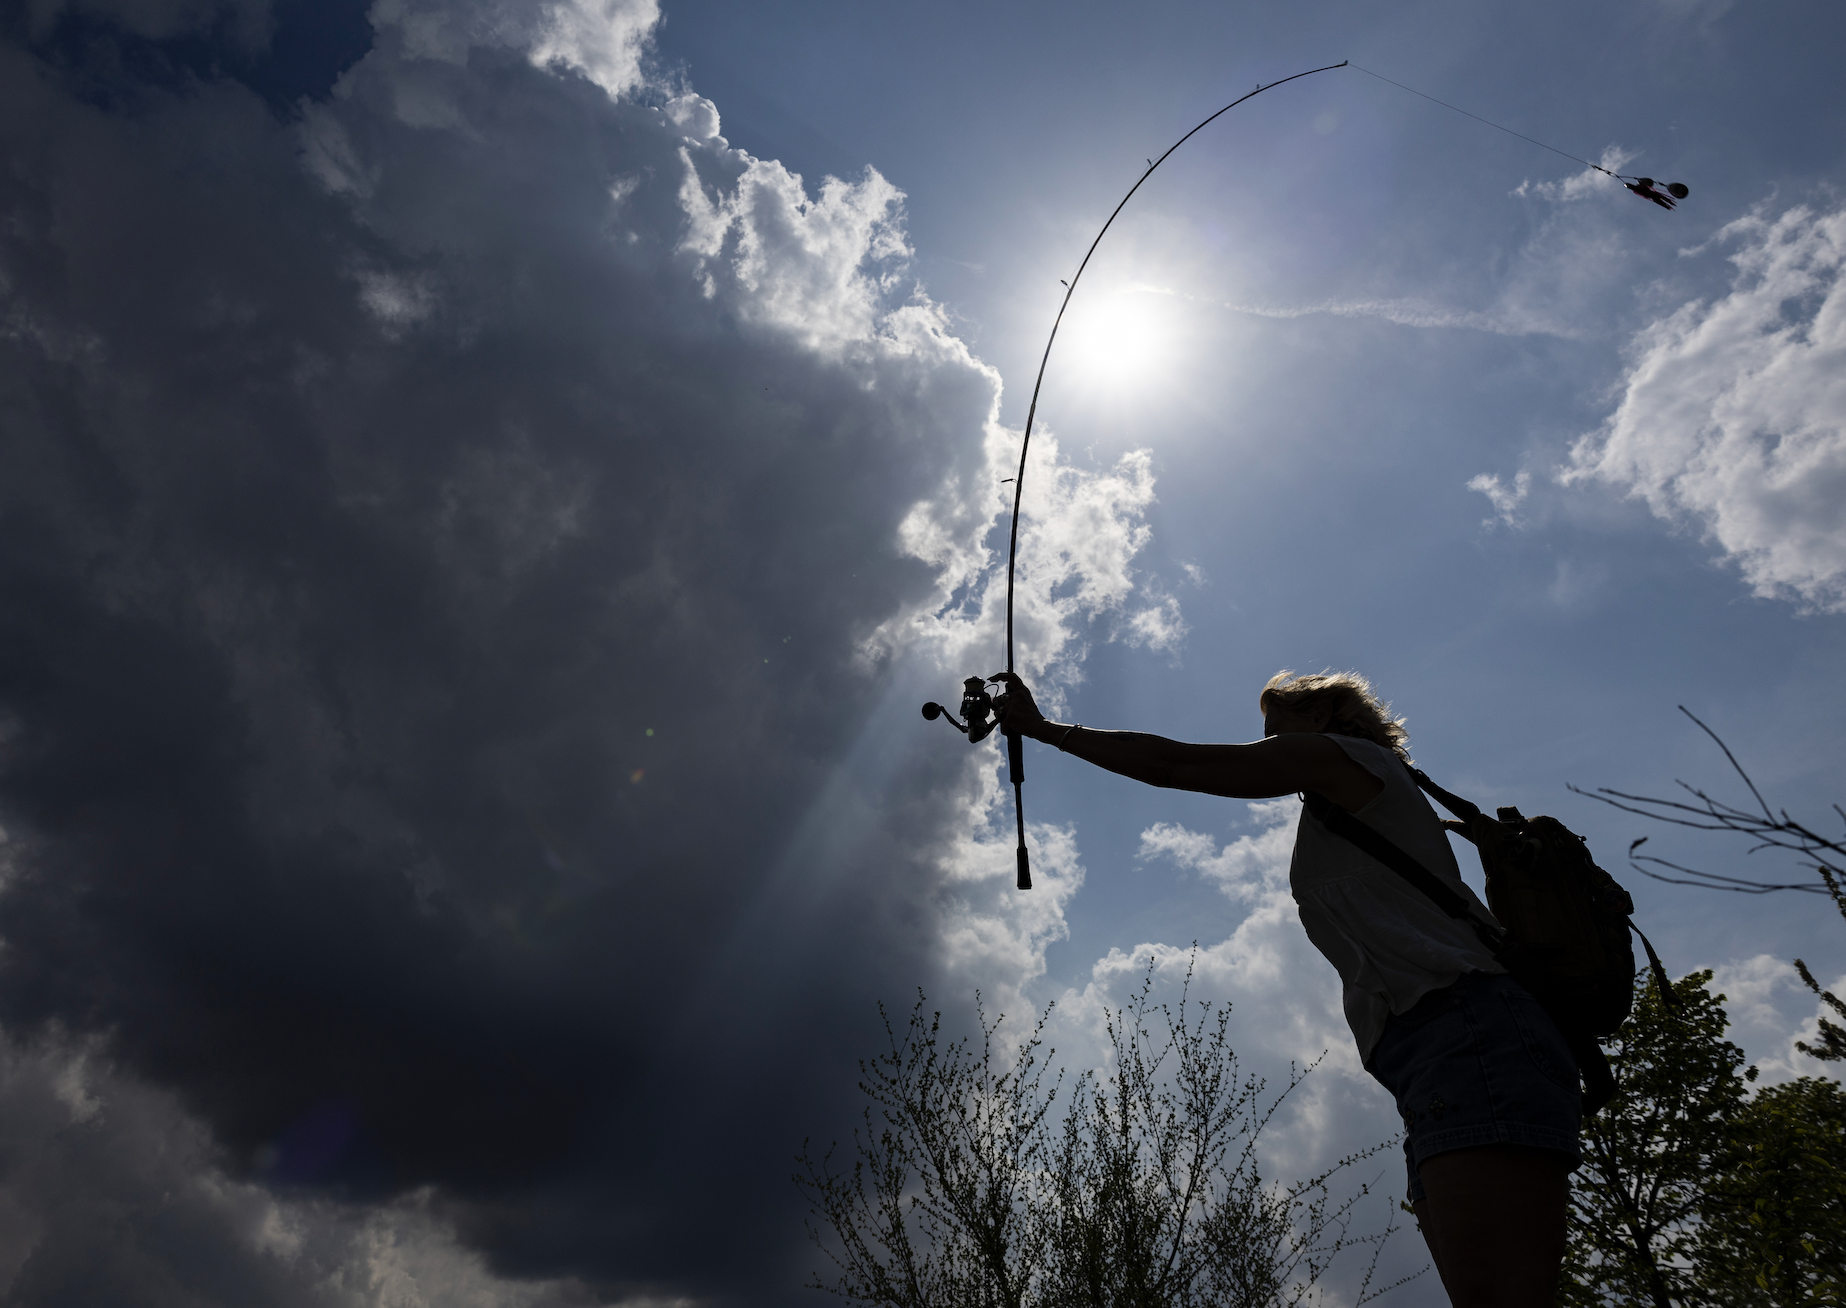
(1282, 720)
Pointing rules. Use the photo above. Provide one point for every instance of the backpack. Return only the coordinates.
(1566, 921)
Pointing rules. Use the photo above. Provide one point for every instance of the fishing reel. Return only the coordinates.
(982, 710)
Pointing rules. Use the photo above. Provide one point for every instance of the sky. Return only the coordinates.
(486, 486)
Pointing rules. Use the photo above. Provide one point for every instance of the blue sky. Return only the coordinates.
(489, 485)
(1316, 468)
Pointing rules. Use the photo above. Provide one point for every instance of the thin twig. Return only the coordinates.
(1711, 880)
(1733, 758)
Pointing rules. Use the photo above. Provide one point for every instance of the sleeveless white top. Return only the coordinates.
(1388, 940)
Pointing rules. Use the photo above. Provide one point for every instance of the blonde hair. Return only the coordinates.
(1356, 708)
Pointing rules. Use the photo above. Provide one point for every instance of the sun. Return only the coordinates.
(1122, 339)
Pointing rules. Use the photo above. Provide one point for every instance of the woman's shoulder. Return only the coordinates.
(1381, 760)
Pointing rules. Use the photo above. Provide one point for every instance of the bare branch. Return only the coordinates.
(1768, 831)
(1733, 758)
(1715, 880)
(1773, 829)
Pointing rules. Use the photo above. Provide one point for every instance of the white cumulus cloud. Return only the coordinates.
(604, 40)
(1770, 1012)
(819, 268)
(1732, 419)
(1250, 868)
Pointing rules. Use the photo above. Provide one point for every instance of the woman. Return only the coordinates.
(1484, 1082)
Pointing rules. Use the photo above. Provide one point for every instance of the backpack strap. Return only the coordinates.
(1345, 825)
(1455, 804)
(1467, 812)
(1593, 1065)
(1668, 1000)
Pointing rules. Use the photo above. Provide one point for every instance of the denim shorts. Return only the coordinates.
(1479, 1063)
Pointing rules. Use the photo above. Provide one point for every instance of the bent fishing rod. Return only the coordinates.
(980, 707)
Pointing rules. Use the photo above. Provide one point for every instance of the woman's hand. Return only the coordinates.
(1018, 712)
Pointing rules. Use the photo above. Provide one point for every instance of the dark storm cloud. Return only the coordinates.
(433, 597)
(246, 23)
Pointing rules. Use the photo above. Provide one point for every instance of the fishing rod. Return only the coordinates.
(978, 705)
(982, 708)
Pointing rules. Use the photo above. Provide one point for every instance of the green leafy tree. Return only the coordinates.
(1649, 1156)
(1773, 1233)
(966, 1192)
(1693, 1190)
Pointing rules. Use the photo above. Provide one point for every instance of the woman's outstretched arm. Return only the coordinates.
(1277, 765)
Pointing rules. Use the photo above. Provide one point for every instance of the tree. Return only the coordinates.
(1693, 1190)
(1774, 1230)
(1637, 1202)
(965, 1192)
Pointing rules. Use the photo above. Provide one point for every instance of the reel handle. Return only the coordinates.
(1016, 769)
(933, 710)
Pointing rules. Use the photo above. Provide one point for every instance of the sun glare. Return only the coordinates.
(1121, 340)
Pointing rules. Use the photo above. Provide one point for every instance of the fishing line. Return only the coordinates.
(977, 704)
(1477, 118)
